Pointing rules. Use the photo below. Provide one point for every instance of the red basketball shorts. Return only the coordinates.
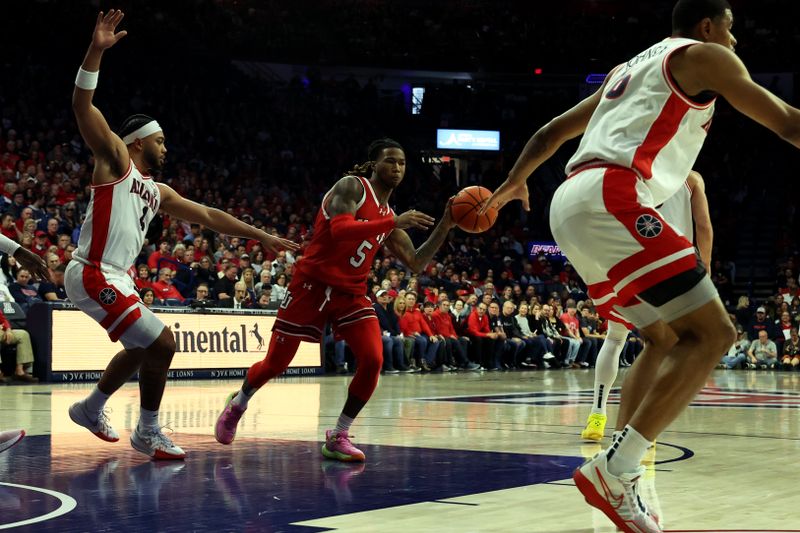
(309, 304)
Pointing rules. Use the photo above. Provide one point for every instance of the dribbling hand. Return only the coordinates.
(413, 219)
(104, 36)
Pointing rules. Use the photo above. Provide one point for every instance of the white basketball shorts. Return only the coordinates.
(110, 297)
(638, 269)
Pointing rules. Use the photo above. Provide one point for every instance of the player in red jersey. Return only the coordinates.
(354, 221)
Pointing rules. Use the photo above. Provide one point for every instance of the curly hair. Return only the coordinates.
(373, 151)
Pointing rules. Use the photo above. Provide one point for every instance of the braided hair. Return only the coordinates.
(375, 148)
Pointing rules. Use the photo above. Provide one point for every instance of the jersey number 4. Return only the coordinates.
(361, 254)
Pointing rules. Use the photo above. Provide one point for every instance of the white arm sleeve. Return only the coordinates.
(7, 245)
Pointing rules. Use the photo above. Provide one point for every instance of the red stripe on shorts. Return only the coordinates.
(621, 200)
(93, 283)
(124, 324)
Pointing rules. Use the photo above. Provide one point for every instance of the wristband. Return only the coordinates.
(86, 80)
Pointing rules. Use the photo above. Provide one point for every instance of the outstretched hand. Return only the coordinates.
(447, 217)
(104, 36)
(32, 263)
(276, 244)
(413, 219)
(507, 192)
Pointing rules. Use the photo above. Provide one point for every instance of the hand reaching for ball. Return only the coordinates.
(466, 209)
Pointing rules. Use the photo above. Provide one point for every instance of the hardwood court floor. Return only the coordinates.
(461, 452)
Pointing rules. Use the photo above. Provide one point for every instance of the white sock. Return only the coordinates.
(627, 452)
(343, 424)
(607, 366)
(96, 401)
(148, 419)
(242, 398)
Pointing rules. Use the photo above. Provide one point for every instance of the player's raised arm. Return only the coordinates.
(399, 243)
(713, 67)
(104, 143)
(703, 231)
(219, 221)
(539, 148)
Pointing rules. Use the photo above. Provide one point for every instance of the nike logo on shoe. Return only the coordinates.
(615, 501)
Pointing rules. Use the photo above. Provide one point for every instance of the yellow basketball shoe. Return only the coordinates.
(595, 426)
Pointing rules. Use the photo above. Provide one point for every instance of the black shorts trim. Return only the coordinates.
(669, 289)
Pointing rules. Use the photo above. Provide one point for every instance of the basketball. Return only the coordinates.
(465, 209)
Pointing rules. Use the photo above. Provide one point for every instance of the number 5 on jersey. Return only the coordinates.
(361, 254)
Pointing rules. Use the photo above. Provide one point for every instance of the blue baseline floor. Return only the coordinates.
(254, 485)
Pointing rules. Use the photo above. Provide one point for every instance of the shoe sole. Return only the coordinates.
(156, 455)
(596, 500)
(591, 437)
(339, 456)
(11, 444)
(95, 433)
(216, 426)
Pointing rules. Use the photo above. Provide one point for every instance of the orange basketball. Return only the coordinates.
(465, 209)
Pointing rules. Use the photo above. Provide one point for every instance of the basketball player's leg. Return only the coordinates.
(111, 299)
(659, 339)
(364, 339)
(301, 317)
(601, 240)
(605, 373)
(677, 371)
(147, 337)
(281, 351)
(703, 335)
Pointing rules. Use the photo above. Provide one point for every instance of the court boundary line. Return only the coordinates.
(68, 504)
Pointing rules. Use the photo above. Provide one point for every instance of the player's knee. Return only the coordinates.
(660, 336)
(164, 345)
(371, 361)
(714, 335)
(722, 335)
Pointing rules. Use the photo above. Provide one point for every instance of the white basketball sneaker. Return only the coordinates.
(100, 427)
(10, 438)
(153, 443)
(616, 496)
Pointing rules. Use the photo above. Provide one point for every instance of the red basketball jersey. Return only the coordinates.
(344, 265)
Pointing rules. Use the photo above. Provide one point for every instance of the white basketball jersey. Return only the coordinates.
(116, 220)
(677, 210)
(646, 123)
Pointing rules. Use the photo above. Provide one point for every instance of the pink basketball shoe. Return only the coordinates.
(338, 446)
(225, 429)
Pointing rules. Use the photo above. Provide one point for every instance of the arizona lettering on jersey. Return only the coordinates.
(646, 123)
(344, 265)
(116, 220)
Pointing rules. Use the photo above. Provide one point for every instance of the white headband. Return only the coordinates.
(145, 131)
